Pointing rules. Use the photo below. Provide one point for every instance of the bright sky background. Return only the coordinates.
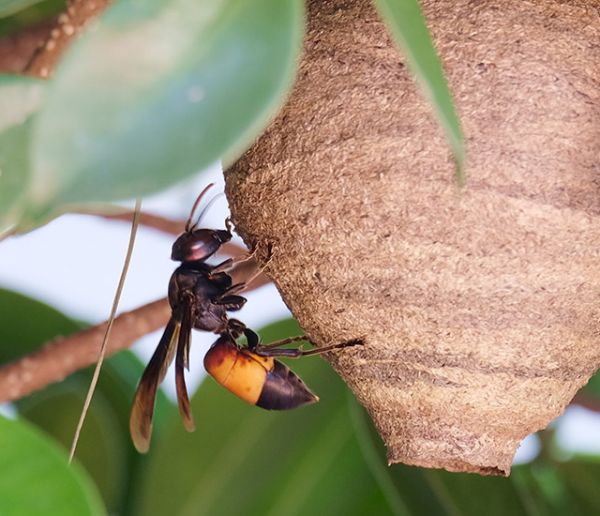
(74, 263)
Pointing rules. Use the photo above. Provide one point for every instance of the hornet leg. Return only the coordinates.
(230, 263)
(272, 350)
(231, 303)
(240, 272)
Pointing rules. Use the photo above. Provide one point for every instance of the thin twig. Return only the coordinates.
(111, 319)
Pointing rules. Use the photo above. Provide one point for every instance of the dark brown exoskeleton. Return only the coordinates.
(200, 296)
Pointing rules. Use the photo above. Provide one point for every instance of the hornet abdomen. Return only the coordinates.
(261, 381)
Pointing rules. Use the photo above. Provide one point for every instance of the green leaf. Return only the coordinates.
(243, 459)
(473, 494)
(36, 478)
(556, 488)
(9, 7)
(18, 335)
(581, 477)
(20, 97)
(408, 494)
(543, 488)
(38, 12)
(157, 91)
(104, 448)
(536, 489)
(407, 25)
(427, 491)
(593, 386)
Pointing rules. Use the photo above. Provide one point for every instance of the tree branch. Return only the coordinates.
(17, 49)
(59, 358)
(67, 27)
(36, 50)
(170, 226)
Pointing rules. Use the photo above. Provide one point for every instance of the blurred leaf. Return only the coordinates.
(428, 491)
(18, 335)
(38, 12)
(104, 448)
(556, 488)
(36, 478)
(8, 7)
(582, 478)
(475, 494)
(408, 26)
(593, 386)
(159, 90)
(533, 497)
(409, 492)
(243, 459)
(542, 488)
(20, 97)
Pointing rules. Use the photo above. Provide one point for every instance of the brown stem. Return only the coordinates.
(173, 227)
(67, 27)
(17, 49)
(59, 358)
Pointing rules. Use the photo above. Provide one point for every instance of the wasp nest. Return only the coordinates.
(480, 306)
